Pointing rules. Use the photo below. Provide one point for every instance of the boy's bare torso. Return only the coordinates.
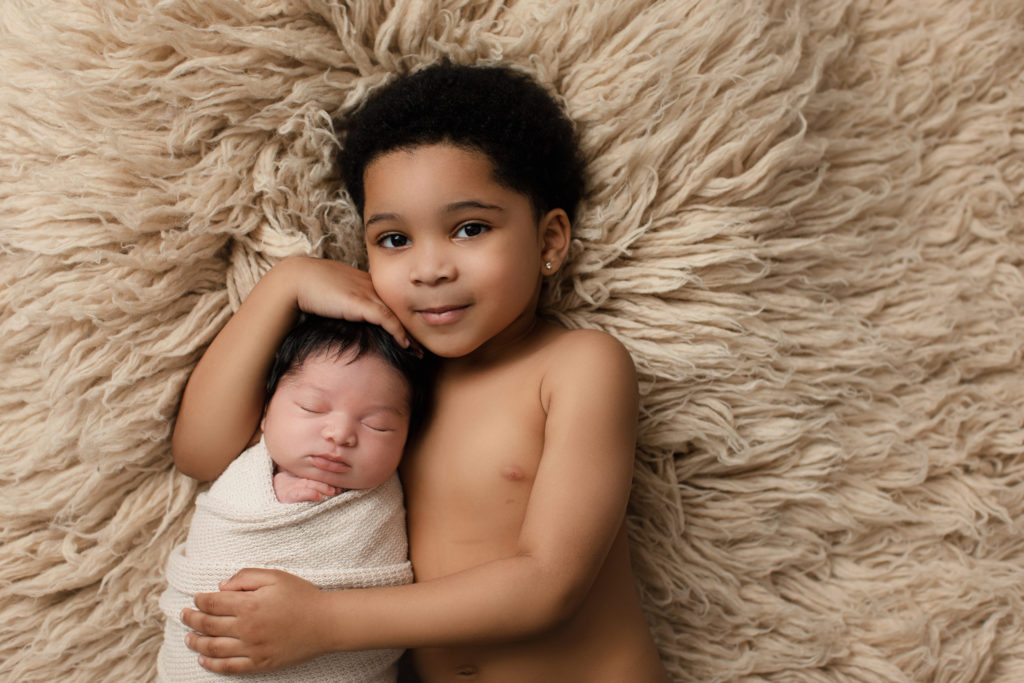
(467, 491)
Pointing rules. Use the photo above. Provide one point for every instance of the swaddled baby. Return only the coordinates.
(317, 497)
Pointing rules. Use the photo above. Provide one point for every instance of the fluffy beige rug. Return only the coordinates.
(805, 222)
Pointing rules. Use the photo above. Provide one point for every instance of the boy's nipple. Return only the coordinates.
(513, 473)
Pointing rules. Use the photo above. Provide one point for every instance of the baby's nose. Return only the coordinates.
(341, 432)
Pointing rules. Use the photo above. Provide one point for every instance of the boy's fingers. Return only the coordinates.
(222, 655)
(226, 603)
(380, 314)
(230, 665)
(216, 647)
(206, 624)
(245, 580)
(344, 292)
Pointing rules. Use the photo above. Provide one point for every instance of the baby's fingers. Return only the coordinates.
(314, 492)
(318, 486)
(322, 490)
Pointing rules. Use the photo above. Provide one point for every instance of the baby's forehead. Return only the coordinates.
(322, 370)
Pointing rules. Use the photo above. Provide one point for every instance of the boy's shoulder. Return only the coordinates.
(586, 340)
(583, 352)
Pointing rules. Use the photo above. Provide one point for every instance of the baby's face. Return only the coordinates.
(339, 421)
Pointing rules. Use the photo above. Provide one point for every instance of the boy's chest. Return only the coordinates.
(468, 477)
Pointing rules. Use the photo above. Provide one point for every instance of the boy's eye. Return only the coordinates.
(377, 426)
(471, 230)
(309, 408)
(392, 240)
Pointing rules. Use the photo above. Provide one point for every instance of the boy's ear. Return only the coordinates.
(555, 234)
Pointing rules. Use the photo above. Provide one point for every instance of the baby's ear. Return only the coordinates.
(555, 234)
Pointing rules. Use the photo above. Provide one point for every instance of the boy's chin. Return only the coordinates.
(447, 348)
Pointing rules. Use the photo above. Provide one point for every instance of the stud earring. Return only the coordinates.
(548, 265)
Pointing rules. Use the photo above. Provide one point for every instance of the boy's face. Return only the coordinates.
(339, 421)
(455, 255)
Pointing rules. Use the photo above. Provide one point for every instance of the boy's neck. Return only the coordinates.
(514, 341)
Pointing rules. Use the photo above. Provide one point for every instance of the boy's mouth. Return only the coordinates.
(442, 315)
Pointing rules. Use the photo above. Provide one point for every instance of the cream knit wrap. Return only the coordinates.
(356, 539)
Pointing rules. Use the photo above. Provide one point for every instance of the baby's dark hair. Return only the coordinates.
(314, 335)
(495, 110)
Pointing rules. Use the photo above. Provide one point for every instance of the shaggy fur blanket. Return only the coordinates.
(804, 220)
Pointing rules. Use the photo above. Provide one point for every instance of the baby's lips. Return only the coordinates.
(330, 463)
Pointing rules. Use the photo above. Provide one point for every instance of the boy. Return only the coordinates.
(516, 489)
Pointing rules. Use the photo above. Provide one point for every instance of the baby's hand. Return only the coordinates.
(291, 489)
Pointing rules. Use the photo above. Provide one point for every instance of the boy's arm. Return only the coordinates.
(221, 406)
(576, 509)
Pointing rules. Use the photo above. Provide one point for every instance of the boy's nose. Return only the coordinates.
(432, 267)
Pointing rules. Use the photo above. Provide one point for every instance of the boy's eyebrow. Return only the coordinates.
(471, 204)
(449, 208)
(378, 217)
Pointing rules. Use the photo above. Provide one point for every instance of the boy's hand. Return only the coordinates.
(335, 290)
(221, 407)
(289, 488)
(261, 621)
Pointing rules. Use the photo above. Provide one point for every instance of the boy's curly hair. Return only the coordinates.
(492, 109)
